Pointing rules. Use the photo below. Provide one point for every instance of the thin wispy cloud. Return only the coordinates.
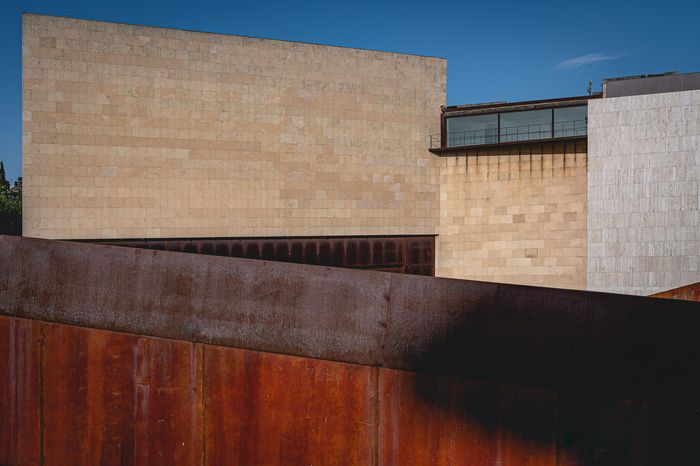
(584, 60)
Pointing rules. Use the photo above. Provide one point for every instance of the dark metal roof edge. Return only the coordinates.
(445, 151)
(645, 76)
(238, 238)
(455, 108)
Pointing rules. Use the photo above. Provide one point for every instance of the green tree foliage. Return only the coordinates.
(10, 205)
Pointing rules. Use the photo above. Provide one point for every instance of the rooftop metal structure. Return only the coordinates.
(498, 124)
(651, 84)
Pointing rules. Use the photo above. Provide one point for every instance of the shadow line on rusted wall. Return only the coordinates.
(547, 357)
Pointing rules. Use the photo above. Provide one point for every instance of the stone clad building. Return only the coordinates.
(145, 132)
(151, 134)
(513, 192)
(644, 185)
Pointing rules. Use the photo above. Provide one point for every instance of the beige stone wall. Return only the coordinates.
(515, 218)
(132, 131)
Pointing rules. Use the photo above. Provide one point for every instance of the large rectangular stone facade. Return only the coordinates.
(515, 215)
(133, 131)
(644, 188)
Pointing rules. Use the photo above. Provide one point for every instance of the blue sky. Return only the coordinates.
(496, 50)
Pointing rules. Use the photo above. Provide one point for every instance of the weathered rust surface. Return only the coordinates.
(267, 409)
(20, 383)
(115, 399)
(426, 420)
(603, 432)
(320, 312)
(574, 341)
(431, 420)
(593, 344)
(688, 293)
(527, 427)
(413, 254)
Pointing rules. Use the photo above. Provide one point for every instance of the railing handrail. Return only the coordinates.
(494, 136)
(495, 130)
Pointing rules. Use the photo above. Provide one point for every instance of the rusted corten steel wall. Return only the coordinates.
(688, 293)
(20, 433)
(129, 356)
(89, 396)
(111, 398)
(402, 254)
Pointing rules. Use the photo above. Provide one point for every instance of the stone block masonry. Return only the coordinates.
(141, 132)
(644, 192)
(132, 131)
(515, 217)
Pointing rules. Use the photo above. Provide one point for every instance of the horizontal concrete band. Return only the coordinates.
(596, 343)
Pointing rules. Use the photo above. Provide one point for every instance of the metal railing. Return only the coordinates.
(472, 138)
(560, 129)
(526, 132)
(567, 129)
